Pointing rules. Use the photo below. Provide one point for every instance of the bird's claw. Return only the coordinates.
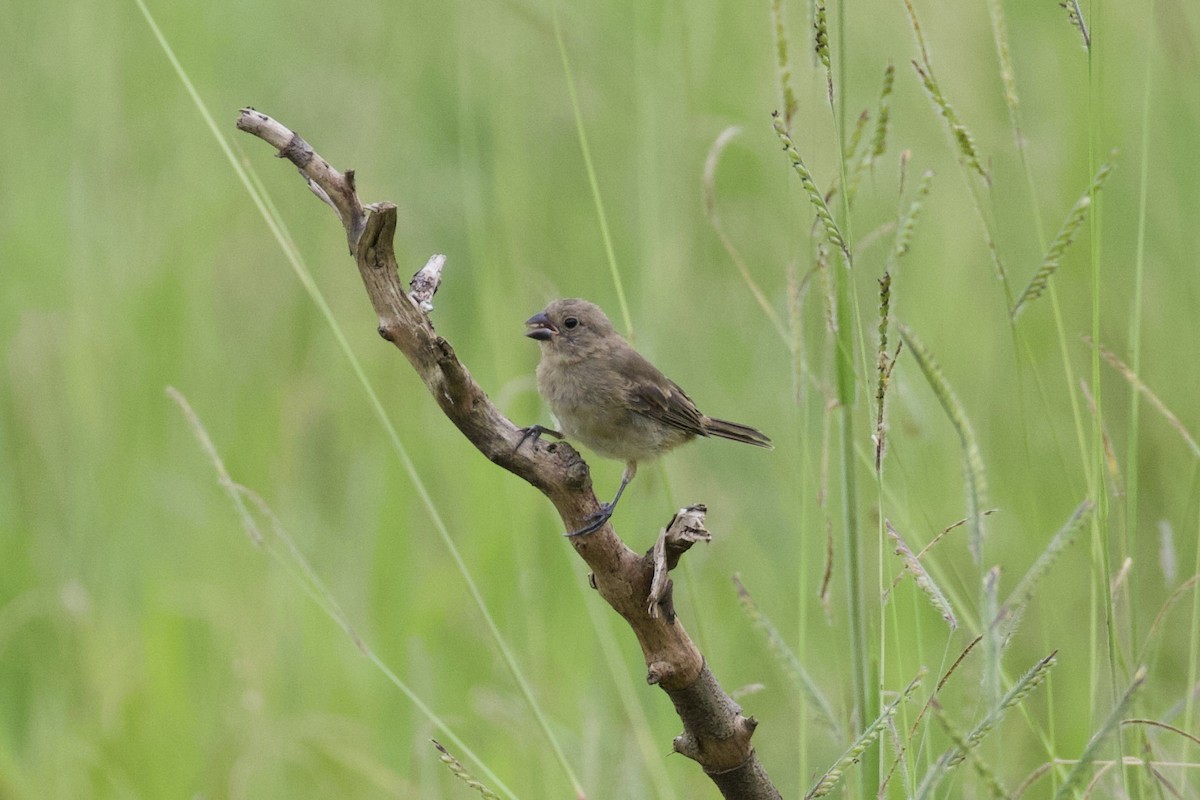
(595, 521)
(535, 432)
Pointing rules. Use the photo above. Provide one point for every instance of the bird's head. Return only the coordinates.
(569, 325)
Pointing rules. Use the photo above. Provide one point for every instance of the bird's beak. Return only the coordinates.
(540, 327)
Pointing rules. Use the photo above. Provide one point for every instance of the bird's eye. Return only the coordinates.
(570, 323)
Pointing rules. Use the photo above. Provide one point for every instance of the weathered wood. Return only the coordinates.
(715, 734)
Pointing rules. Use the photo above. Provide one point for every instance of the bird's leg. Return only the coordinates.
(596, 521)
(535, 432)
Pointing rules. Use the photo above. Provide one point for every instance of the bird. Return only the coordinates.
(607, 396)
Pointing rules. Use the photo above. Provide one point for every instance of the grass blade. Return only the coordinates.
(924, 581)
(959, 132)
(884, 365)
(1129, 375)
(955, 754)
(878, 144)
(975, 480)
(834, 774)
(459, 771)
(908, 221)
(959, 740)
(1066, 234)
(991, 634)
(787, 659)
(714, 219)
(832, 233)
(1111, 723)
(1014, 607)
(295, 562)
(296, 261)
(593, 182)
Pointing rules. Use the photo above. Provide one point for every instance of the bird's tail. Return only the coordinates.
(737, 432)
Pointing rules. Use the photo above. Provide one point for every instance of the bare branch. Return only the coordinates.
(715, 734)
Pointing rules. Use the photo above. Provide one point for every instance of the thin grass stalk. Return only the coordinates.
(1075, 17)
(991, 634)
(788, 659)
(784, 67)
(1135, 348)
(1008, 77)
(821, 44)
(899, 760)
(300, 269)
(1018, 599)
(1062, 240)
(832, 233)
(867, 699)
(883, 114)
(975, 479)
(908, 220)
(1110, 454)
(293, 560)
(855, 753)
(1189, 706)
(796, 290)
(964, 142)
(970, 164)
(1111, 723)
(959, 740)
(1140, 387)
(1167, 605)
(810, 418)
(925, 582)
(1008, 80)
(851, 154)
(1100, 539)
(593, 182)
(877, 145)
(714, 219)
(1164, 726)
(884, 365)
(459, 771)
(955, 755)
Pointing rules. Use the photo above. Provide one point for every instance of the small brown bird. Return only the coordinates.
(610, 398)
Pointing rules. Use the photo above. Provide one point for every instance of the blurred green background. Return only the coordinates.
(148, 650)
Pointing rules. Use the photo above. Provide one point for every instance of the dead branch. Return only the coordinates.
(715, 733)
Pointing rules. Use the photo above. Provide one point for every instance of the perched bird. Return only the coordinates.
(610, 398)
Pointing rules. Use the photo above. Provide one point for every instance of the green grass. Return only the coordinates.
(148, 649)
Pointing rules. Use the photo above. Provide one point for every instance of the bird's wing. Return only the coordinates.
(652, 394)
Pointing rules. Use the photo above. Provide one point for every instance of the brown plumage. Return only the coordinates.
(610, 398)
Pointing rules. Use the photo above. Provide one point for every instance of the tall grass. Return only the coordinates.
(561, 150)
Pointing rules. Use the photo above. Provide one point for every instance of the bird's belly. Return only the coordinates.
(592, 410)
(618, 433)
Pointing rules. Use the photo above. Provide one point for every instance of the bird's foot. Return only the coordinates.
(535, 432)
(594, 521)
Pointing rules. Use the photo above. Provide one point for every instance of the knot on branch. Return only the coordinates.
(714, 731)
(578, 476)
(659, 671)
